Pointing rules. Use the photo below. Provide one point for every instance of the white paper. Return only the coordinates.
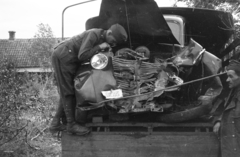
(113, 94)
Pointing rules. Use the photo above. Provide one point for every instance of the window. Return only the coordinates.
(176, 24)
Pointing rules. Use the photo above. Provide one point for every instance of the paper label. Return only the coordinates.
(113, 94)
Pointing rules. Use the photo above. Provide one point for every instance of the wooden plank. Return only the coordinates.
(152, 124)
(150, 127)
(140, 145)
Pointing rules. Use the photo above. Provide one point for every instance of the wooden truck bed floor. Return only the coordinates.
(143, 140)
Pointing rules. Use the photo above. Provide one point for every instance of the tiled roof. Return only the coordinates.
(17, 50)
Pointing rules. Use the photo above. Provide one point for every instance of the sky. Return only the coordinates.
(23, 16)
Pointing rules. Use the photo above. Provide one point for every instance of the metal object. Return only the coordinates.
(66, 9)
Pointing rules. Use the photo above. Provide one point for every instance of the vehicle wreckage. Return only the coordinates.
(169, 71)
(159, 70)
(131, 83)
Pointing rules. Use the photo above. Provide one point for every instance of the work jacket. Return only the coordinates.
(80, 48)
(71, 53)
(230, 127)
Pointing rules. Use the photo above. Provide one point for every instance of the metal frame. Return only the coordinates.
(66, 9)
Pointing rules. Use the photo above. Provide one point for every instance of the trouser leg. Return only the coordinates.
(64, 77)
(58, 122)
(60, 112)
(60, 115)
(69, 108)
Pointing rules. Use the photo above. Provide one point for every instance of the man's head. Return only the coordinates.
(116, 34)
(233, 72)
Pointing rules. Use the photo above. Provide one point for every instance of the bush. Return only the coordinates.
(12, 99)
(27, 103)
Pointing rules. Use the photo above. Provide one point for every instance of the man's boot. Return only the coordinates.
(72, 126)
(56, 124)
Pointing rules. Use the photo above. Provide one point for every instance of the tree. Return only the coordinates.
(42, 46)
(210, 4)
(231, 6)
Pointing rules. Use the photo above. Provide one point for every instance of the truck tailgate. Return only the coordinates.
(142, 140)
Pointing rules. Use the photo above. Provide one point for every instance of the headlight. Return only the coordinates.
(99, 61)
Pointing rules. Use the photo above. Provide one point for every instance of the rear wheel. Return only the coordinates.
(185, 115)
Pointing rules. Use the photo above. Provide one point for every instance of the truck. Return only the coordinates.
(188, 47)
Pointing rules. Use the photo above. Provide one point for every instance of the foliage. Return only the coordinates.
(224, 5)
(42, 46)
(27, 103)
(210, 4)
(12, 99)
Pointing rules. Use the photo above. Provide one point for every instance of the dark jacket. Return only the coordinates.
(70, 54)
(80, 47)
(230, 127)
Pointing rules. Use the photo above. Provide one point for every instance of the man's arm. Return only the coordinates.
(217, 125)
(88, 47)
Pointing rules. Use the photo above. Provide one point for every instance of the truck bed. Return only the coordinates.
(142, 140)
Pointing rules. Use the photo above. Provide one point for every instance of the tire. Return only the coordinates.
(186, 115)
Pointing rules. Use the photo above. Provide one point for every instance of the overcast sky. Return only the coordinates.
(23, 16)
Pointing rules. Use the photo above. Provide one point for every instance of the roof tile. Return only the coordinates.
(18, 51)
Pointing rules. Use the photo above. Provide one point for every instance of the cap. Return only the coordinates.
(234, 65)
(119, 33)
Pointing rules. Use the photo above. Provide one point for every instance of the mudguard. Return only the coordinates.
(90, 82)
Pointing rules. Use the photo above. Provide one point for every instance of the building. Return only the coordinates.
(18, 51)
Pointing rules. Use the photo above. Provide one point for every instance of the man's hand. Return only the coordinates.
(216, 128)
(104, 46)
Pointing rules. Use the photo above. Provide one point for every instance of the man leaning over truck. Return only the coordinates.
(228, 125)
(66, 59)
